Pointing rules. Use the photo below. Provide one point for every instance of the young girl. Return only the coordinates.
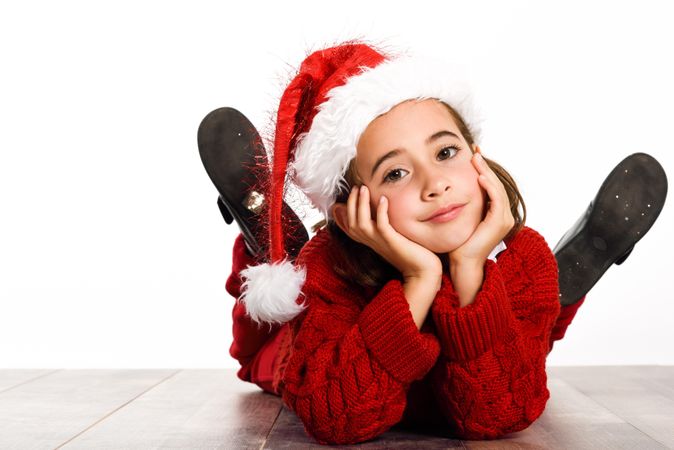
(424, 299)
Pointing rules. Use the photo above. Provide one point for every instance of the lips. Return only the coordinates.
(444, 210)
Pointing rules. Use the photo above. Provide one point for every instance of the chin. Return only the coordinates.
(441, 247)
(447, 245)
(429, 239)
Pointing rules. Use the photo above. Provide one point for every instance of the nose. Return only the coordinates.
(436, 182)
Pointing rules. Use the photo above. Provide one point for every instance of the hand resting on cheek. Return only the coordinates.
(497, 222)
(355, 219)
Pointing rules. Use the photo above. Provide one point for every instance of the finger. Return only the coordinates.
(351, 207)
(499, 206)
(477, 161)
(382, 216)
(487, 171)
(494, 197)
(364, 213)
(482, 166)
(492, 186)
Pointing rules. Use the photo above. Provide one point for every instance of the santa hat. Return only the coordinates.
(336, 93)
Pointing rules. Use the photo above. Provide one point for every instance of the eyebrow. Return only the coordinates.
(396, 152)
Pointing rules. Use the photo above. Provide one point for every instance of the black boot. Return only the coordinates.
(233, 153)
(626, 206)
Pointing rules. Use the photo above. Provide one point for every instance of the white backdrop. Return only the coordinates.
(112, 250)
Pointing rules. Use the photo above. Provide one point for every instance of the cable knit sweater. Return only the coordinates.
(358, 363)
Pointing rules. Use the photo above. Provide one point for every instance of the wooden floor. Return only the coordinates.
(601, 407)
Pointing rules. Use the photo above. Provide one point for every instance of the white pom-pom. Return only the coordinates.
(270, 291)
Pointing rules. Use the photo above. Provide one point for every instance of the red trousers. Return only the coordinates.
(256, 347)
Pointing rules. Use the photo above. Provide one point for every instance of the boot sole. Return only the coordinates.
(624, 209)
(228, 145)
(235, 160)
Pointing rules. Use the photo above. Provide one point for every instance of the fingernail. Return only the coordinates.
(362, 189)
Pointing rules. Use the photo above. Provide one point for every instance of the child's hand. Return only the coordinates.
(497, 222)
(410, 258)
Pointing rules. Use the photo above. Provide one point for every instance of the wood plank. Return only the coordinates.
(630, 395)
(570, 420)
(49, 410)
(657, 378)
(204, 408)
(590, 407)
(11, 378)
(573, 420)
(288, 433)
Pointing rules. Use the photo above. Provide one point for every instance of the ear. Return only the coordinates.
(339, 213)
(476, 149)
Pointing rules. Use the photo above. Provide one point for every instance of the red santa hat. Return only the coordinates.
(336, 93)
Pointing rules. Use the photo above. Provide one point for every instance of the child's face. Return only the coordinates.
(424, 176)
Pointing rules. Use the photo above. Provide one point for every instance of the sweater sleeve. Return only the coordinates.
(351, 366)
(490, 378)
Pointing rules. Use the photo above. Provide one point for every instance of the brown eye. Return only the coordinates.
(445, 151)
(393, 175)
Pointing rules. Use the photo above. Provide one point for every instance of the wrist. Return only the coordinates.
(467, 277)
(424, 273)
(465, 264)
(430, 279)
(420, 293)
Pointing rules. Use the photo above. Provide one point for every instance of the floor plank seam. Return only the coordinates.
(118, 408)
(31, 380)
(271, 428)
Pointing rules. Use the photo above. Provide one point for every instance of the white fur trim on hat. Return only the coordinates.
(322, 154)
(270, 291)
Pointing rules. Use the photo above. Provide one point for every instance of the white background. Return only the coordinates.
(112, 250)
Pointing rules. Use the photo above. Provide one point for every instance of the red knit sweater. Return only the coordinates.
(358, 365)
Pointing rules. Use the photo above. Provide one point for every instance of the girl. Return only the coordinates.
(423, 299)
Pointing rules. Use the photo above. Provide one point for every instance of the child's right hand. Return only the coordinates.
(412, 260)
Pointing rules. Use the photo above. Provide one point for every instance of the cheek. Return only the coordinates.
(400, 209)
(477, 187)
(472, 187)
(469, 179)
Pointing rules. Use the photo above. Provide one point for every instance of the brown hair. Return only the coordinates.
(359, 263)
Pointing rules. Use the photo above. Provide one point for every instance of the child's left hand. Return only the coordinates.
(497, 222)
